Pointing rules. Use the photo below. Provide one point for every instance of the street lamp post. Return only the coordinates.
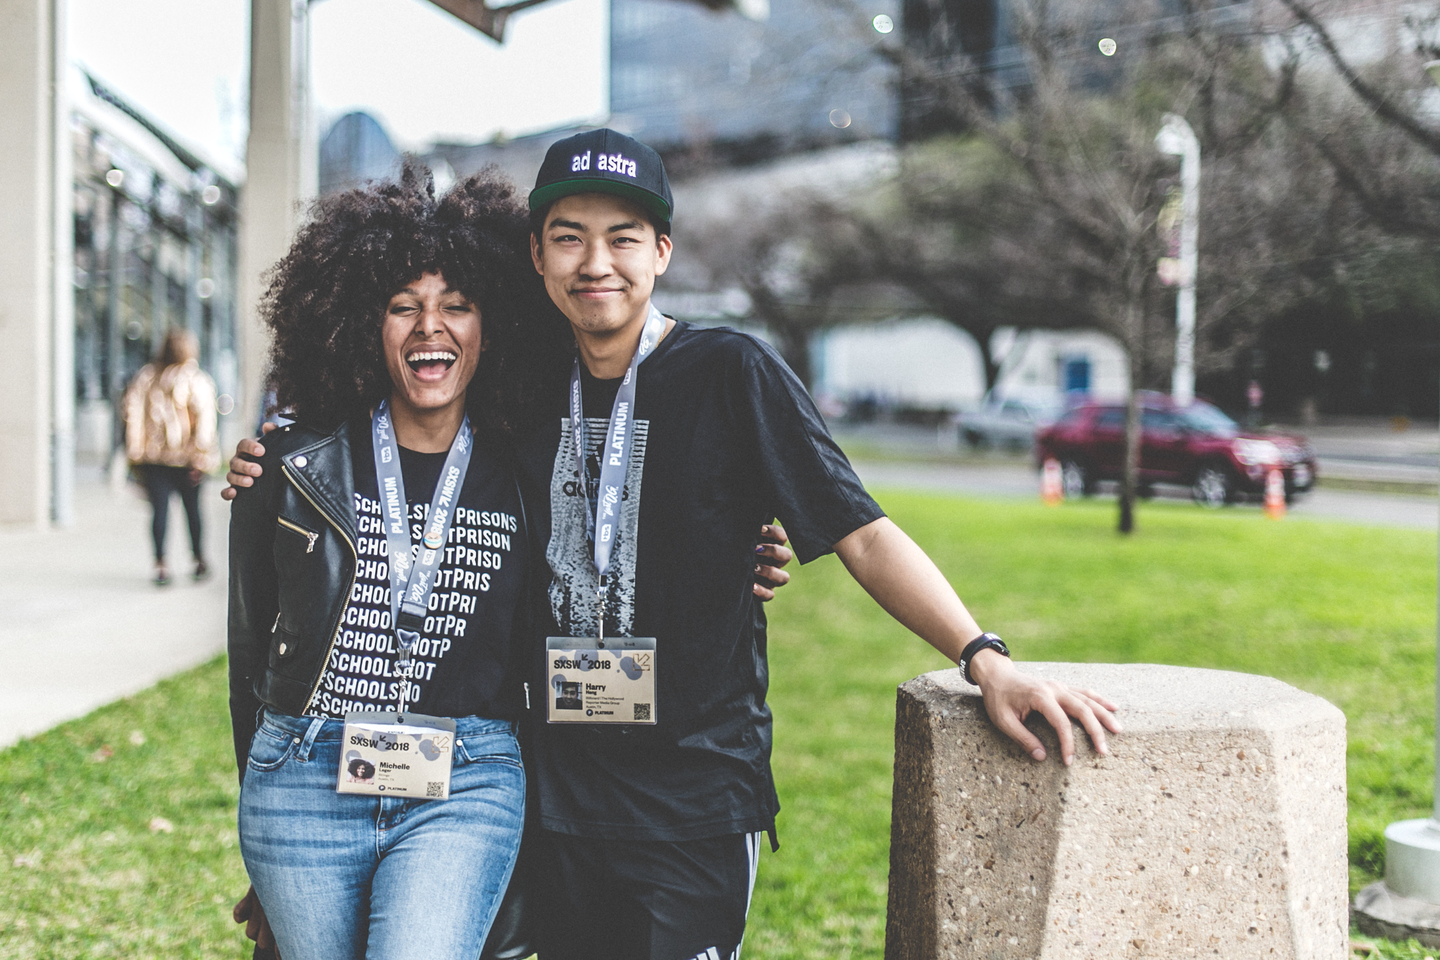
(1407, 902)
(1177, 139)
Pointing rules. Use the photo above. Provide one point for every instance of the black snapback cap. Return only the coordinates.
(605, 161)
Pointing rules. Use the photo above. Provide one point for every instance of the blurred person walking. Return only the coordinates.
(170, 441)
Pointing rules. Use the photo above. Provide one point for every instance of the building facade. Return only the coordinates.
(155, 248)
(802, 74)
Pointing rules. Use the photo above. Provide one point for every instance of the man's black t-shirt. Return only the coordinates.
(463, 661)
(725, 440)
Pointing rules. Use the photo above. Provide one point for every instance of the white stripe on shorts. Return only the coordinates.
(752, 852)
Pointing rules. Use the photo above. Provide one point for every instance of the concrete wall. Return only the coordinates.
(932, 364)
(27, 169)
(926, 363)
(1031, 363)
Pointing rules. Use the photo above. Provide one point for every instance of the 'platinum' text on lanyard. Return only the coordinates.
(410, 587)
(614, 456)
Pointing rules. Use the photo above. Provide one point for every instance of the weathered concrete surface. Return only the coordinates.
(1216, 827)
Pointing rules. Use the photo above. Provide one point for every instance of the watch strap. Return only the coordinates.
(986, 641)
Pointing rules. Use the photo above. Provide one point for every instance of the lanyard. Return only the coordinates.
(614, 456)
(410, 587)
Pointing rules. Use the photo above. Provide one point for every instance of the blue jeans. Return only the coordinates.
(345, 876)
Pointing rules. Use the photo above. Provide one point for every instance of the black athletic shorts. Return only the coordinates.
(646, 900)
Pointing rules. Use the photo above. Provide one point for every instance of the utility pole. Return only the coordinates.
(1177, 139)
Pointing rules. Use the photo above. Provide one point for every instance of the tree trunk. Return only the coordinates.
(794, 347)
(1130, 465)
(987, 360)
(1130, 472)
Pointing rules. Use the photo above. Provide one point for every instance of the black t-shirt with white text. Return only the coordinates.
(725, 440)
(462, 661)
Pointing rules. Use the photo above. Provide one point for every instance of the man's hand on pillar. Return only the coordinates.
(1011, 696)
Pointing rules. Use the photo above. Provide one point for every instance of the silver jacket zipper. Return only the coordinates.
(310, 536)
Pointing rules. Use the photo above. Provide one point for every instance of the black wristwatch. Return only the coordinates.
(986, 641)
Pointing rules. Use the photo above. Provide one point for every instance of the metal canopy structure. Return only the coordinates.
(491, 21)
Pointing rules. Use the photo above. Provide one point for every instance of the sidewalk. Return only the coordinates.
(84, 626)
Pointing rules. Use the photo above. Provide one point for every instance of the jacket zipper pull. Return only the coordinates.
(311, 537)
(276, 625)
(527, 696)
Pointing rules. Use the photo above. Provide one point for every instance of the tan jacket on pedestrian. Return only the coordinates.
(170, 417)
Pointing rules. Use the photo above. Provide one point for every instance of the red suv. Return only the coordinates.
(1197, 446)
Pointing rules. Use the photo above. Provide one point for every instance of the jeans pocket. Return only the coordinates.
(488, 748)
(270, 749)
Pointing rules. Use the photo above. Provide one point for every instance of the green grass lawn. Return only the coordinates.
(1344, 611)
(86, 868)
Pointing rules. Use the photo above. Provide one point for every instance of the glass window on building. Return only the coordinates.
(155, 248)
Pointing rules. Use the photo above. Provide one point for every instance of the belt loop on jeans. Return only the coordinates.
(303, 753)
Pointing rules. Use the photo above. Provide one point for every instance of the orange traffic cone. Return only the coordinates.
(1052, 490)
(1275, 494)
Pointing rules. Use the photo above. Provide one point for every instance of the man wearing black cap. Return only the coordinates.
(677, 443)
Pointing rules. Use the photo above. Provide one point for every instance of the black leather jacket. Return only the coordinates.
(292, 564)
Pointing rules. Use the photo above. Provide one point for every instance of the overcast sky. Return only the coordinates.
(422, 73)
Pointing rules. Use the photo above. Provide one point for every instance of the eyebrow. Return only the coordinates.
(572, 225)
(414, 293)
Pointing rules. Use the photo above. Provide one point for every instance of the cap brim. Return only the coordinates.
(541, 196)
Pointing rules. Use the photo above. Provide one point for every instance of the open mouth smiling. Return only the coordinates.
(431, 364)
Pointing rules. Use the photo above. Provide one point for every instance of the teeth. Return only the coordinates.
(431, 355)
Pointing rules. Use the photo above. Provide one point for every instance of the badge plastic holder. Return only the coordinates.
(592, 681)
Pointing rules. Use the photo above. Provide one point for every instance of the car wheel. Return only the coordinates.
(975, 439)
(1211, 487)
(1074, 481)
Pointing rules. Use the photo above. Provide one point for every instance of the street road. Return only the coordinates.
(1359, 451)
(1021, 481)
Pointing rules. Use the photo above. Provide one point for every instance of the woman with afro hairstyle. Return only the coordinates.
(410, 336)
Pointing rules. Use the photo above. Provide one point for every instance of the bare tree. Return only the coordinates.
(1057, 227)
(1078, 186)
(1040, 211)
(795, 261)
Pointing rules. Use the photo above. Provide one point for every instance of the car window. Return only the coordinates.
(1160, 421)
(1206, 418)
(1070, 418)
(1110, 419)
(1013, 409)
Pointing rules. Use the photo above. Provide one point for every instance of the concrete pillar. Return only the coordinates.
(62, 327)
(31, 34)
(1216, 827)
(280, 169)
